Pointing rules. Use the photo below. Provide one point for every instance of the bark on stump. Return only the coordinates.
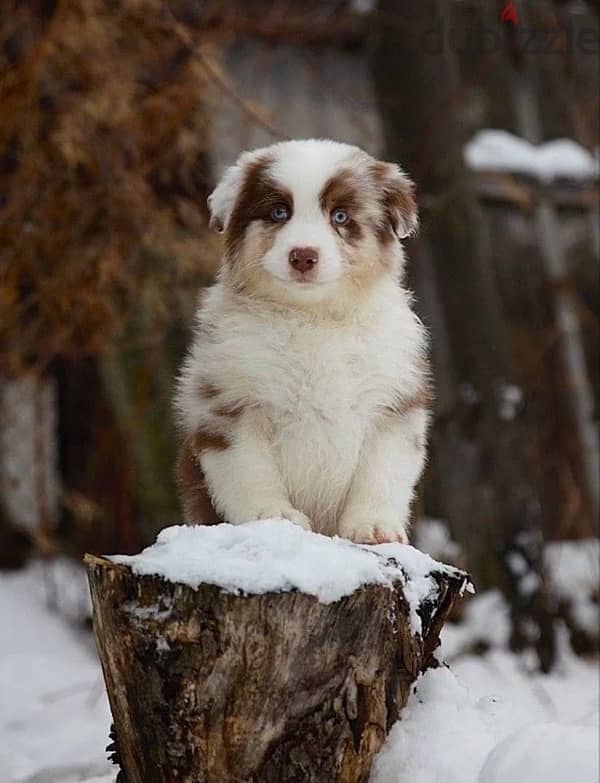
(210, 687)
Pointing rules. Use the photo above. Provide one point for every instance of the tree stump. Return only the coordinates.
(209, 686)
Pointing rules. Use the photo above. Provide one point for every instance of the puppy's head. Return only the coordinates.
(305, 220)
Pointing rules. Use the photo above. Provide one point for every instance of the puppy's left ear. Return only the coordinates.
(398, 199)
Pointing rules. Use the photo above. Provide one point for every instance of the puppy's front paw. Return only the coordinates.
(297, 517)
(366, 530)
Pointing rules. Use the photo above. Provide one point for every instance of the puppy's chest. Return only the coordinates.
(319, 390)
(322, 384)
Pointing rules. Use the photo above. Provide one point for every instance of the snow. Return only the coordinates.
(511, 400)
(574, 567)
(491, 718)
(485, 623)
(548, 752)
(487, 719)
(54, 716)
(363, 7)
(104, 779)
(498, 150)
(274, 555)
(432, 536)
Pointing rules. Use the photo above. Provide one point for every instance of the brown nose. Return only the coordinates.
(304, 258)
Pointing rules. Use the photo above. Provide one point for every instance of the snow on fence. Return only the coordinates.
(500, 151)
(543, 180)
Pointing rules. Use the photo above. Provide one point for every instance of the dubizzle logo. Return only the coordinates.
(478, 38)
(509, 14)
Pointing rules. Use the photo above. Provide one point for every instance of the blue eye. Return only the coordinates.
(339, 217)
(280, 213)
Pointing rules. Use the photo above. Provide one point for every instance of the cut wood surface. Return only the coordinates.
(213, 686)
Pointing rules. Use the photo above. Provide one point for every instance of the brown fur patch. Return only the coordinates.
(208, 441)
(231, 412)
(207, 390)
(191, 484)
(258, 194)
(397, 200)
(342, 191)
(401, 406)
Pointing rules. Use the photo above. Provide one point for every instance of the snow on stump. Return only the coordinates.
(262, 653)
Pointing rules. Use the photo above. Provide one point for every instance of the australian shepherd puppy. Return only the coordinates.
(305, 393)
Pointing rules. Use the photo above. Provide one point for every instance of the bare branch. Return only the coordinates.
(186, 39)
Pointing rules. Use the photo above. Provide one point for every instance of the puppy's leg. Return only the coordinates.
(243, 478)
(191, 485)
(378, 504)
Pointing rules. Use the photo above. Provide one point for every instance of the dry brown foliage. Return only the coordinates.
(103, 173)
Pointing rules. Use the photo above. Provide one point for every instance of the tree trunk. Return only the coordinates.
(210, 686)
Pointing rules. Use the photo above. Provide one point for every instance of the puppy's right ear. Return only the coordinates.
(222, 200)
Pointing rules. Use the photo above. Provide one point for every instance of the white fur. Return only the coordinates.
(313, 443)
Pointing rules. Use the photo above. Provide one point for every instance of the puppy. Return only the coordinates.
(305, 394)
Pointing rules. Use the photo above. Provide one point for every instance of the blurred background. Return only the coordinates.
(116, 119)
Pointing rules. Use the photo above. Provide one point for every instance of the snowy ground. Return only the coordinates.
(485, 720)
(54, 716)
